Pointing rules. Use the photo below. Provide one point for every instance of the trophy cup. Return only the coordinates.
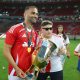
(44, 52)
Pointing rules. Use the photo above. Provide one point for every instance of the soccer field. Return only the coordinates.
(70, 67)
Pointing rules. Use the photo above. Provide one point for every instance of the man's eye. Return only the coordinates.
(34, 13)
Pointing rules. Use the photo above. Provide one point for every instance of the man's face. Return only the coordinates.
(31, 15)
(47, 30)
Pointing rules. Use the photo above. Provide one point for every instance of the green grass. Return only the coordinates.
(3, 62)
(70, 67)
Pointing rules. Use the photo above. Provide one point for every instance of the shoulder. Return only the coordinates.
(56, 39)
(15, 27)
(78, 45)
(55, 36)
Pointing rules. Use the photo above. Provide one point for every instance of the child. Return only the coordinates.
(77, 53)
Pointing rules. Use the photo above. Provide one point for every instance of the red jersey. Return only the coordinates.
(16, 36)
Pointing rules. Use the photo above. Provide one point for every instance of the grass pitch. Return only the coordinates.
(70, 66)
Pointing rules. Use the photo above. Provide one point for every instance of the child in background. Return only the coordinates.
(77, 53)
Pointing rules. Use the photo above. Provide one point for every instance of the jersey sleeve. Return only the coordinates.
(10, 36)
(77, 49)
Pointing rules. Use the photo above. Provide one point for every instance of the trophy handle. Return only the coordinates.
(51, 49)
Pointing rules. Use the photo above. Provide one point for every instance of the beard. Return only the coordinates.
(33, 20)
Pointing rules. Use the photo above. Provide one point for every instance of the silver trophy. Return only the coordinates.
(44, 53)
(47, 47)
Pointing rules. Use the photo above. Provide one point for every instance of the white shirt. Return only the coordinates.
(65, 41)
(55, 60)
(77, 49)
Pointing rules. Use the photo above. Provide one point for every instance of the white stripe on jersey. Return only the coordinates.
(13, 70)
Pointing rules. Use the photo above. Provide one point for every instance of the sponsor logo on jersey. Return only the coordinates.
(25, 44)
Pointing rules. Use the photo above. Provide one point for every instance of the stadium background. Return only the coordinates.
(65, 12)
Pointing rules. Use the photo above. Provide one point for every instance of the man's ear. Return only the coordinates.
(25, 13)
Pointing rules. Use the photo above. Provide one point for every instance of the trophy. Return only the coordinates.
(43, 53)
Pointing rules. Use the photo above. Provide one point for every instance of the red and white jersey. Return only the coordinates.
(77, 49)
(16, 36)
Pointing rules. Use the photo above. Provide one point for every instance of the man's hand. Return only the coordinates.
(20, 73)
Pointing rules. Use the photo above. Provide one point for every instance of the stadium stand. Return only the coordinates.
(65, 12)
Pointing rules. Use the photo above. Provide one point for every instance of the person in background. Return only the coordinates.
(20, 43)
(77, 53)
(54, 68)
(65, 38)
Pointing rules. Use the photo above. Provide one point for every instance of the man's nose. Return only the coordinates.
(36, 15)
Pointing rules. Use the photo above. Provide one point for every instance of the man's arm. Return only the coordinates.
(8, 56)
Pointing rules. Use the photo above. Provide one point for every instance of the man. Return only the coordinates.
(54, 70)
(20, 43)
